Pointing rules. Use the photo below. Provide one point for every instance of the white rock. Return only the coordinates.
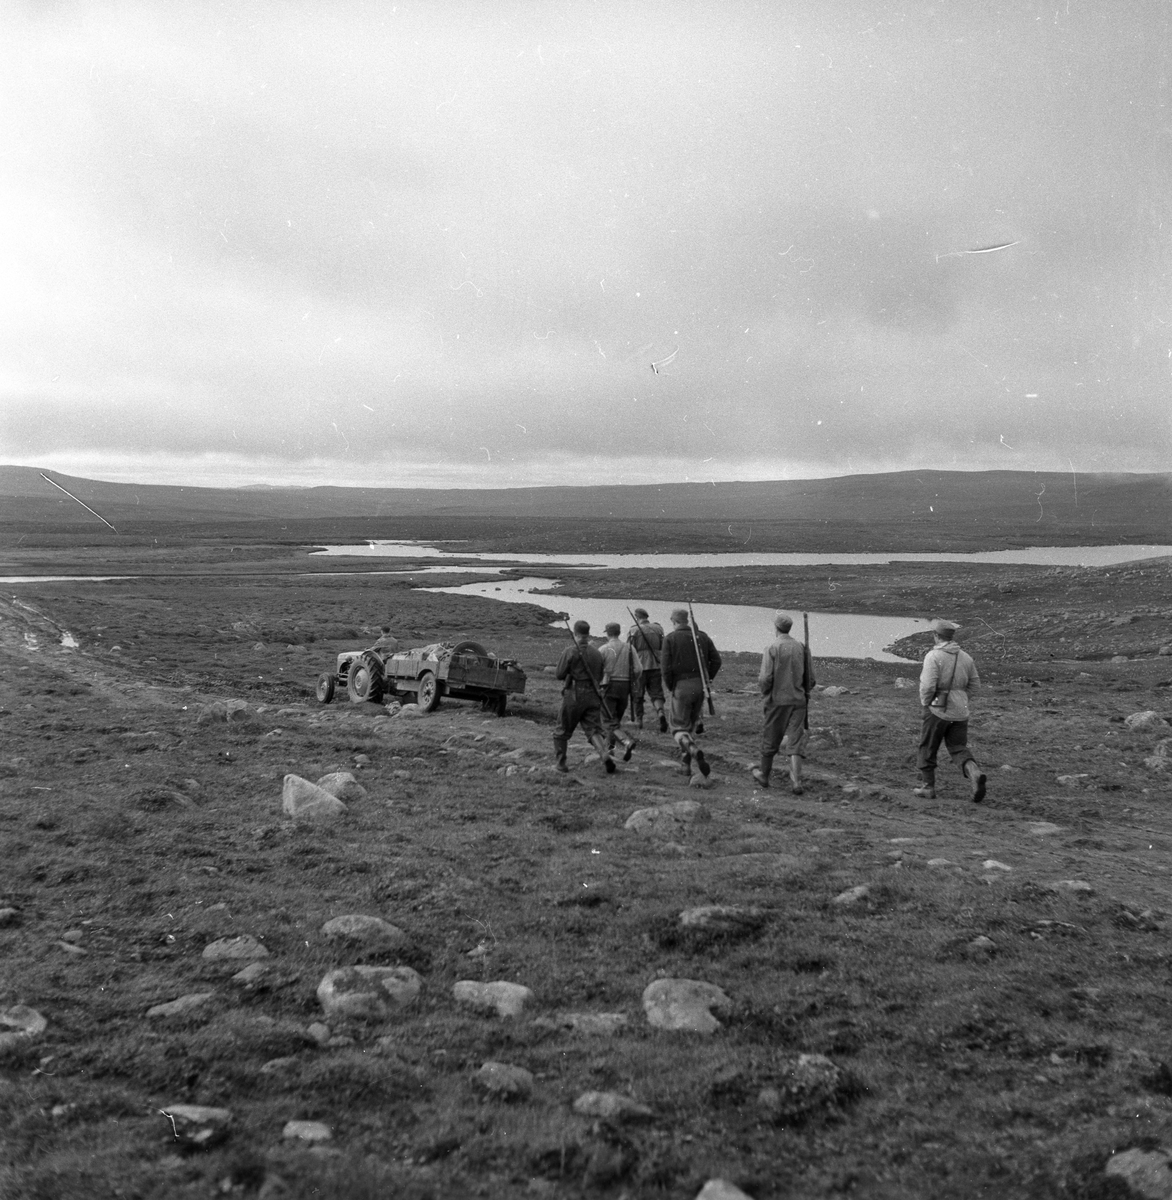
(368, 993)
(233, 949)
(684, 1004)
(991, 864)
(196, 1126)
(835, 690)
(343, 786)
(1043, 828)
(940, 862)
(305, 801)
(1071, 780)
(504, 998)
(1073, 885)
(1145, 720)
(181, 1007)
(307, 1131)
(610, 1106)
(251, 974)
(901, 682)
(371, 933)
(852, 895)
(1147, 1172)
(722, 918)
(22, 1023)
(411, 710)
(667, 819)
(721, 1189)
(504, 1081)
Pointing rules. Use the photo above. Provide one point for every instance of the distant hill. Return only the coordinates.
(1123, 506)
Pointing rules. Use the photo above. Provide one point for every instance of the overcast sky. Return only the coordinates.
(444, 243)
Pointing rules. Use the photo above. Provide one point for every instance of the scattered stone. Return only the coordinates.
(684, 1004)
(940, 862)
(901, 682)
(343, 786)
(503, 998)
(368, 993)
(320, 1033)
(701, 781)
(411, 710)
(721, 1189)
(991, 864)
(1009, 769)
(22, 1024)
(549, 670)
(667, 820)
(722, 918)
(812, 1082)
(71, 949)
(835, 690)
(504, 1081)
(234, 949)
(306, 801)
(252, 974)
(307, 1131)
(1073, 885)
(181, 1007)
(72, 935)
(1165, 650)
(852, 895)
(980, 946)
(1043, 828)
(9, 917)
(1071, 780)
(610, 1106)
(1145, 720)
(1146, 1172)
(197, 1127)
(276, 1065)
(369, 933)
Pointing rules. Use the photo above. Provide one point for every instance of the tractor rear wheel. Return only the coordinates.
(325, 687)
(365, 680)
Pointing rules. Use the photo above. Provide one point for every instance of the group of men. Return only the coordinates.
(599, 682)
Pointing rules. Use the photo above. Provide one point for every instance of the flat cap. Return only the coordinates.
(944, 628)
(679, 616)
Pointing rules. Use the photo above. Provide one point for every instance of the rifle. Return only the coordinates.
(589, 673)
(650, 647)
(806, 666)
(700, 662)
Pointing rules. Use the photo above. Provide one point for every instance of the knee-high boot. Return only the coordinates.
(976, 778)
(559, 754)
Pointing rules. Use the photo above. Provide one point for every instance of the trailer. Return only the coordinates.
(424, 675)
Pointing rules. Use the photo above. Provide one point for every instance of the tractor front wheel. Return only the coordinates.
(325, 687)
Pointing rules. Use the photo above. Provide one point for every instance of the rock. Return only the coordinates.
(252, 974)
(20, 1023)
(901, 682)
(684, 1004)
(835, 690)
(181, 1007)
(306, 801)
(937, 863)
(503, 998)
(549, 670)
(275, 1066)
(72, 935)
(811, 1082)
(1146, 1172)
(411, 710)
(368, 933)
(343, 786)
(1157, 762)
(320, 1033)
(852, 895)
(1165, 650)
(1073, 885)
(667, 820)
(1163, 748)
(1119, 658)
(197, 1127)
(1043, 828)
(981, 945)
(504, 1081)
(9, 917)
(722, 918)
(1071, 780)
(368, 993)
(701, 781)
(991, 864)
(234, 949)
(610, 1106)
(258, 646)
(307, 1131)
(71, 949)
(1145, 720)
(721, 1189)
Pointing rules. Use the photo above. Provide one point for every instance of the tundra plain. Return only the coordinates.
(989, 1011)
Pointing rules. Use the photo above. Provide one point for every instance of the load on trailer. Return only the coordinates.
(463, 670)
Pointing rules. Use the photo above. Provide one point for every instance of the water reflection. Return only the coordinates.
(733, 627)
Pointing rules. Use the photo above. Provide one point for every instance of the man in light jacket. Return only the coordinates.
(948, 675)
(786, 679)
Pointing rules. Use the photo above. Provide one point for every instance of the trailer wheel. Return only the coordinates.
(365, 681)
(325, 687)
(428, 696)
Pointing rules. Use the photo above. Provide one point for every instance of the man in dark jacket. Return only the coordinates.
(786, 679)
(646, 638)
(580, 668)
(683, 678)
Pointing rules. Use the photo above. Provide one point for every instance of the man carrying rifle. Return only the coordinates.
(689, 662)
(580, 668)
(646, 638)
(786, 679)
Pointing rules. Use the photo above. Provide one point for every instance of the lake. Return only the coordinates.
(733, 627)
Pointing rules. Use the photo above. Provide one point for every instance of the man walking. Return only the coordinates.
(621, 671)
(580, 669)
(681, 667)
(646, 637)
(786, 679)
(947, 677)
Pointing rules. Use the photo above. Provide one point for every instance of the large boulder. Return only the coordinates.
(238, 949)
(504, 998)
(305, 801)
(20, 1024)
(504, 1081)
(667, 820)
(342, 786)
(684, 1005)
(1145, 720)
(366, 933)
(368, 993)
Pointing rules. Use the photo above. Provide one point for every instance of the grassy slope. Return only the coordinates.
(1013, 1072)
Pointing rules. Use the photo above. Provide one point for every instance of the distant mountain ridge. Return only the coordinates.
(1127, 501)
